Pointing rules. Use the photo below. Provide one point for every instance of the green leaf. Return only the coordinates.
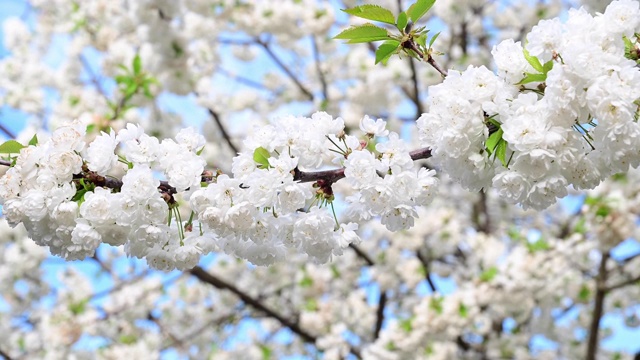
(433, 39)
(584, 293)
(417, 10)
(436, 304)
(79, 307)
(363, 33)
(372, 12)
(402, 21)
(533, 78)
(306, 282)
(137, 65)
(422, 40)
(127, 339)
(493, 140)
(34, 140)
(463, 310)
(311, 304)
(261, 156)
(539, 245)
(267, 353)
(489, 274)
(406, 324)
(386, 49)
(547, 67)
(10, 147)
(501, 152)
(535, 63)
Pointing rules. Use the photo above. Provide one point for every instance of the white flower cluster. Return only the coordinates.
(576, 127)
(47, 193)
(61, 191)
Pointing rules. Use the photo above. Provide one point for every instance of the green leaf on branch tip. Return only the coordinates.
(533, 78)
(463, 310)
(385, 50)
(433, 39)
(422, 40)
(417, 10)
(137, 65)
(372, 12)
(11, 147)
(402, 21)
(533, 61)
(363, 33)
(538, 245)
(489, 274)
(261, 157)
(34, 140)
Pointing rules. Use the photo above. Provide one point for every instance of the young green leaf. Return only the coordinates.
(10, 147)
(34, 140)
(261, 156)
(137, 65)
(489, 274)
(433, 39)
(386, 49)
(372, 12)
(422, 40)
(363, 33)
(534, 61)
(547, 67)
(493, 140)
(533, 78)
(402, 21)
(501, 152)
(417, 10)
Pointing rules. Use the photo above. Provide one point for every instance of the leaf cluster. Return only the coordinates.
(410, 41)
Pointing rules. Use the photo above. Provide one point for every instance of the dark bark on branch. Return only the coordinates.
(223, 130)
(364, 256)
(209, 278)
(598, 308)
(7, 132)
(415, 97)
(331, 176)
(382, 302)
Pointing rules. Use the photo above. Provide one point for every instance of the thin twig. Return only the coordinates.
(415, 96)
(4, 355)
(429, 59)
(316, 58)
(286, 69)
(223, 130)
(7, 132)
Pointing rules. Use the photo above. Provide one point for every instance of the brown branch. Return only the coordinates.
(4, 355)
(598, 308)
(331, 176)
(316, 58)
(364, 256)
(286, 69)
(294, 326)
(223, 130)
(623, 284)
(7, 132)
(382, 302)
(427, 271)
(428, 58)
(415, 96)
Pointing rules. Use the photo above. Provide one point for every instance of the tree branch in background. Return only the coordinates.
(382, 302)
(598, 307)
(223, 130)
(415, 96)
(316, 58)
(286, 69)
(7, 132)
(294, 326)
